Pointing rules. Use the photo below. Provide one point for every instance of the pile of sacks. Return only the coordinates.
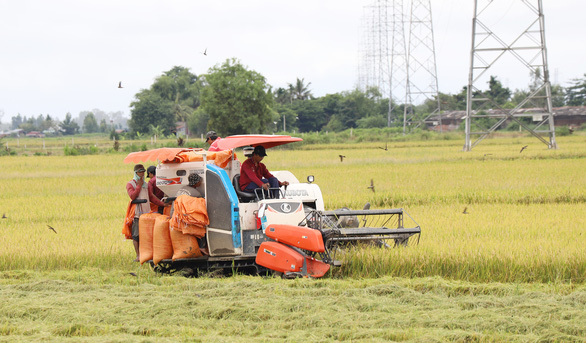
(163, 237)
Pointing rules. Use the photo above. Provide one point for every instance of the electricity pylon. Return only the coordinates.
(383, 52)
(422, 83)
(401, 68)
(489, 51)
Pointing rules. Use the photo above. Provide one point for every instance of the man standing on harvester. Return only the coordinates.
(137, 189)
(255, 175)
(152, 186)
(212, 139)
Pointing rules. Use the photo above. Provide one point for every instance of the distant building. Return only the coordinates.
(35, 134)
(50, 131)
(181, 129)
(572, 116)
(13, 133)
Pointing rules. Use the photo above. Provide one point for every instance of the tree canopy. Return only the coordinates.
(496, 92)
(180, 87)
(174, 96)
(150, 109)
(236, 99)
(576, 93)
(69, 126)
(300, 90)
(232, 99)
(90, 124)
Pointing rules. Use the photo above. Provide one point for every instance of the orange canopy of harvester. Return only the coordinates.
(220, 158)
(162, 154)
(267, 141)
(178, 155)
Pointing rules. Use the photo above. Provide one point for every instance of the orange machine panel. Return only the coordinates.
(297, 236)
(279, 257)
(316, 268)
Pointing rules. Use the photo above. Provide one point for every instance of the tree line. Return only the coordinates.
(86, 122)
(232, 99)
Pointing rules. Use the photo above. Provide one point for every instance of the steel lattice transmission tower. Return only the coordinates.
(375, 68)
(422, 84)
(383, 54)
(524, 48)
(404, 70)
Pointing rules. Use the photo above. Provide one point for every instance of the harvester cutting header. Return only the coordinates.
(284, 229)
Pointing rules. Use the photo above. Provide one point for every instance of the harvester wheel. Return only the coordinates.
(162, 268)
(292, 275)
(187, 272)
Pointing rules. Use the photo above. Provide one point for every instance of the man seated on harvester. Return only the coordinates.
(255, 175)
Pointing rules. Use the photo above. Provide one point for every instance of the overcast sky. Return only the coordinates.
(69, 55)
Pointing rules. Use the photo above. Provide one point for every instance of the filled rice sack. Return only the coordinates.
(162, 246)
(146, 224)
(184, 246)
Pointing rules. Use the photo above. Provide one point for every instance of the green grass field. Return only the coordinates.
(511, 269)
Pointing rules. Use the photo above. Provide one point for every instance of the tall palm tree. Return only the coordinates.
(300, 91)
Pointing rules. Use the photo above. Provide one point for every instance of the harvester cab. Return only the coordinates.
(292, 235)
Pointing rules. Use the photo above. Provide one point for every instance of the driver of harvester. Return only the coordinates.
(255, 175)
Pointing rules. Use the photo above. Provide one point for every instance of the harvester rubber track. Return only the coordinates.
(190, 266)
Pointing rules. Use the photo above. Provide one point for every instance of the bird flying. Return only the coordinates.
(523, 148)
(342, 158)
(205, 53)
(371, 185)
(4, 216)
(51, 228)
(120, 84)
(465, 210)
(385, 148)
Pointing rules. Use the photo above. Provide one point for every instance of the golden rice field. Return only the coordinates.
(512, 269)
(525, 218)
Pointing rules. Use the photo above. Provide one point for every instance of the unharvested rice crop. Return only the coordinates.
(524, 217)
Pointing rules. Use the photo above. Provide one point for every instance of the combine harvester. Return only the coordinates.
(292, 236)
